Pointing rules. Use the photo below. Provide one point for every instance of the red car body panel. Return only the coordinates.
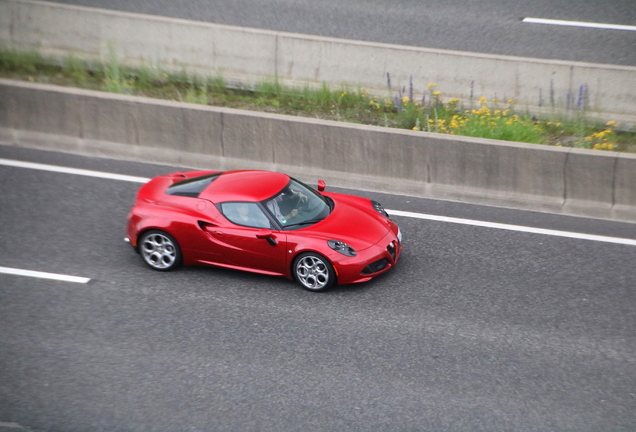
(207, 237)
(245, 186)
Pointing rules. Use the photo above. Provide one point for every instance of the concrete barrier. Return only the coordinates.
(526, 176)
(248, 56)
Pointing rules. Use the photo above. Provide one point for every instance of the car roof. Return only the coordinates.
(245, 186)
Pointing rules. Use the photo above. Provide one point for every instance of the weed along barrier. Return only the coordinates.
(412, 106)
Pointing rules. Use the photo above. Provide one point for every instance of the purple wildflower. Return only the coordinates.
(581, 99)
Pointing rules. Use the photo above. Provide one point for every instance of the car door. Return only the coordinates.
(249, 243)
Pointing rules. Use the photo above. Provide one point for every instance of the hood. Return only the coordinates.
(354, 221)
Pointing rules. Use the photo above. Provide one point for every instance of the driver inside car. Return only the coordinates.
(286, 205)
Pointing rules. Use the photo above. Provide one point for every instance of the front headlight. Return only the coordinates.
(378, 207)
(399, 235)
(342, 247)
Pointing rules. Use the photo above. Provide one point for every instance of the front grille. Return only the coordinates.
(376, 266)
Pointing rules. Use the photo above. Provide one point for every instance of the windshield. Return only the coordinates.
(298, 206)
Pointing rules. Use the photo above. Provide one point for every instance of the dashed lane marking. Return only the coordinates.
(66, 170)
(11, 425)
(43, 275)
(579, 24)
(520, 228)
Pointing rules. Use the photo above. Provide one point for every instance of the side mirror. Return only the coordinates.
(267, 235)
(321, 185)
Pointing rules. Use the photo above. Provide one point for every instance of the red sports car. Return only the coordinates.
(263, 222)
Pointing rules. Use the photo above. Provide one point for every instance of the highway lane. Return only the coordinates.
(476, 329)
(489, 26)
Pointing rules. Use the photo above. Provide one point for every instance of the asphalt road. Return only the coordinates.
(476, 329)
(486, 26)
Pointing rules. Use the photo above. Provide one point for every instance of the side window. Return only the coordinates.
(245, 214)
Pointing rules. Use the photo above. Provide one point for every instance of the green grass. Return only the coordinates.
(489, 120)
(18, 62)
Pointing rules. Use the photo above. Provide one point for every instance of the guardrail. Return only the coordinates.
(526, 176)
(246, 55)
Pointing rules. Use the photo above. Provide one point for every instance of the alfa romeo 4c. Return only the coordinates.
(263, 222)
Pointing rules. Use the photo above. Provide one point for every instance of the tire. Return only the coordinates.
(160, 250)
(313, 271)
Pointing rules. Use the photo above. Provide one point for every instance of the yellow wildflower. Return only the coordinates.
(603, 146)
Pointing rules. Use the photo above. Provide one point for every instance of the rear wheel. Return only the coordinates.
(160, 250)
(313, 271)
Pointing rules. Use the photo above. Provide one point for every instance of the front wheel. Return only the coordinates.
(313, 271)
(160, 250)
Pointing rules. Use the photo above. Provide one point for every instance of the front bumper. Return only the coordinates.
(370, 262)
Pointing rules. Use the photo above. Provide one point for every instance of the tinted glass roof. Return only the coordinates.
(191, 187)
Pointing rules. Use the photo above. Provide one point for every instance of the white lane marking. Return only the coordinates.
(66, 170)
(520, 228)
(579, 24)
(43, 275)
(11, 425)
